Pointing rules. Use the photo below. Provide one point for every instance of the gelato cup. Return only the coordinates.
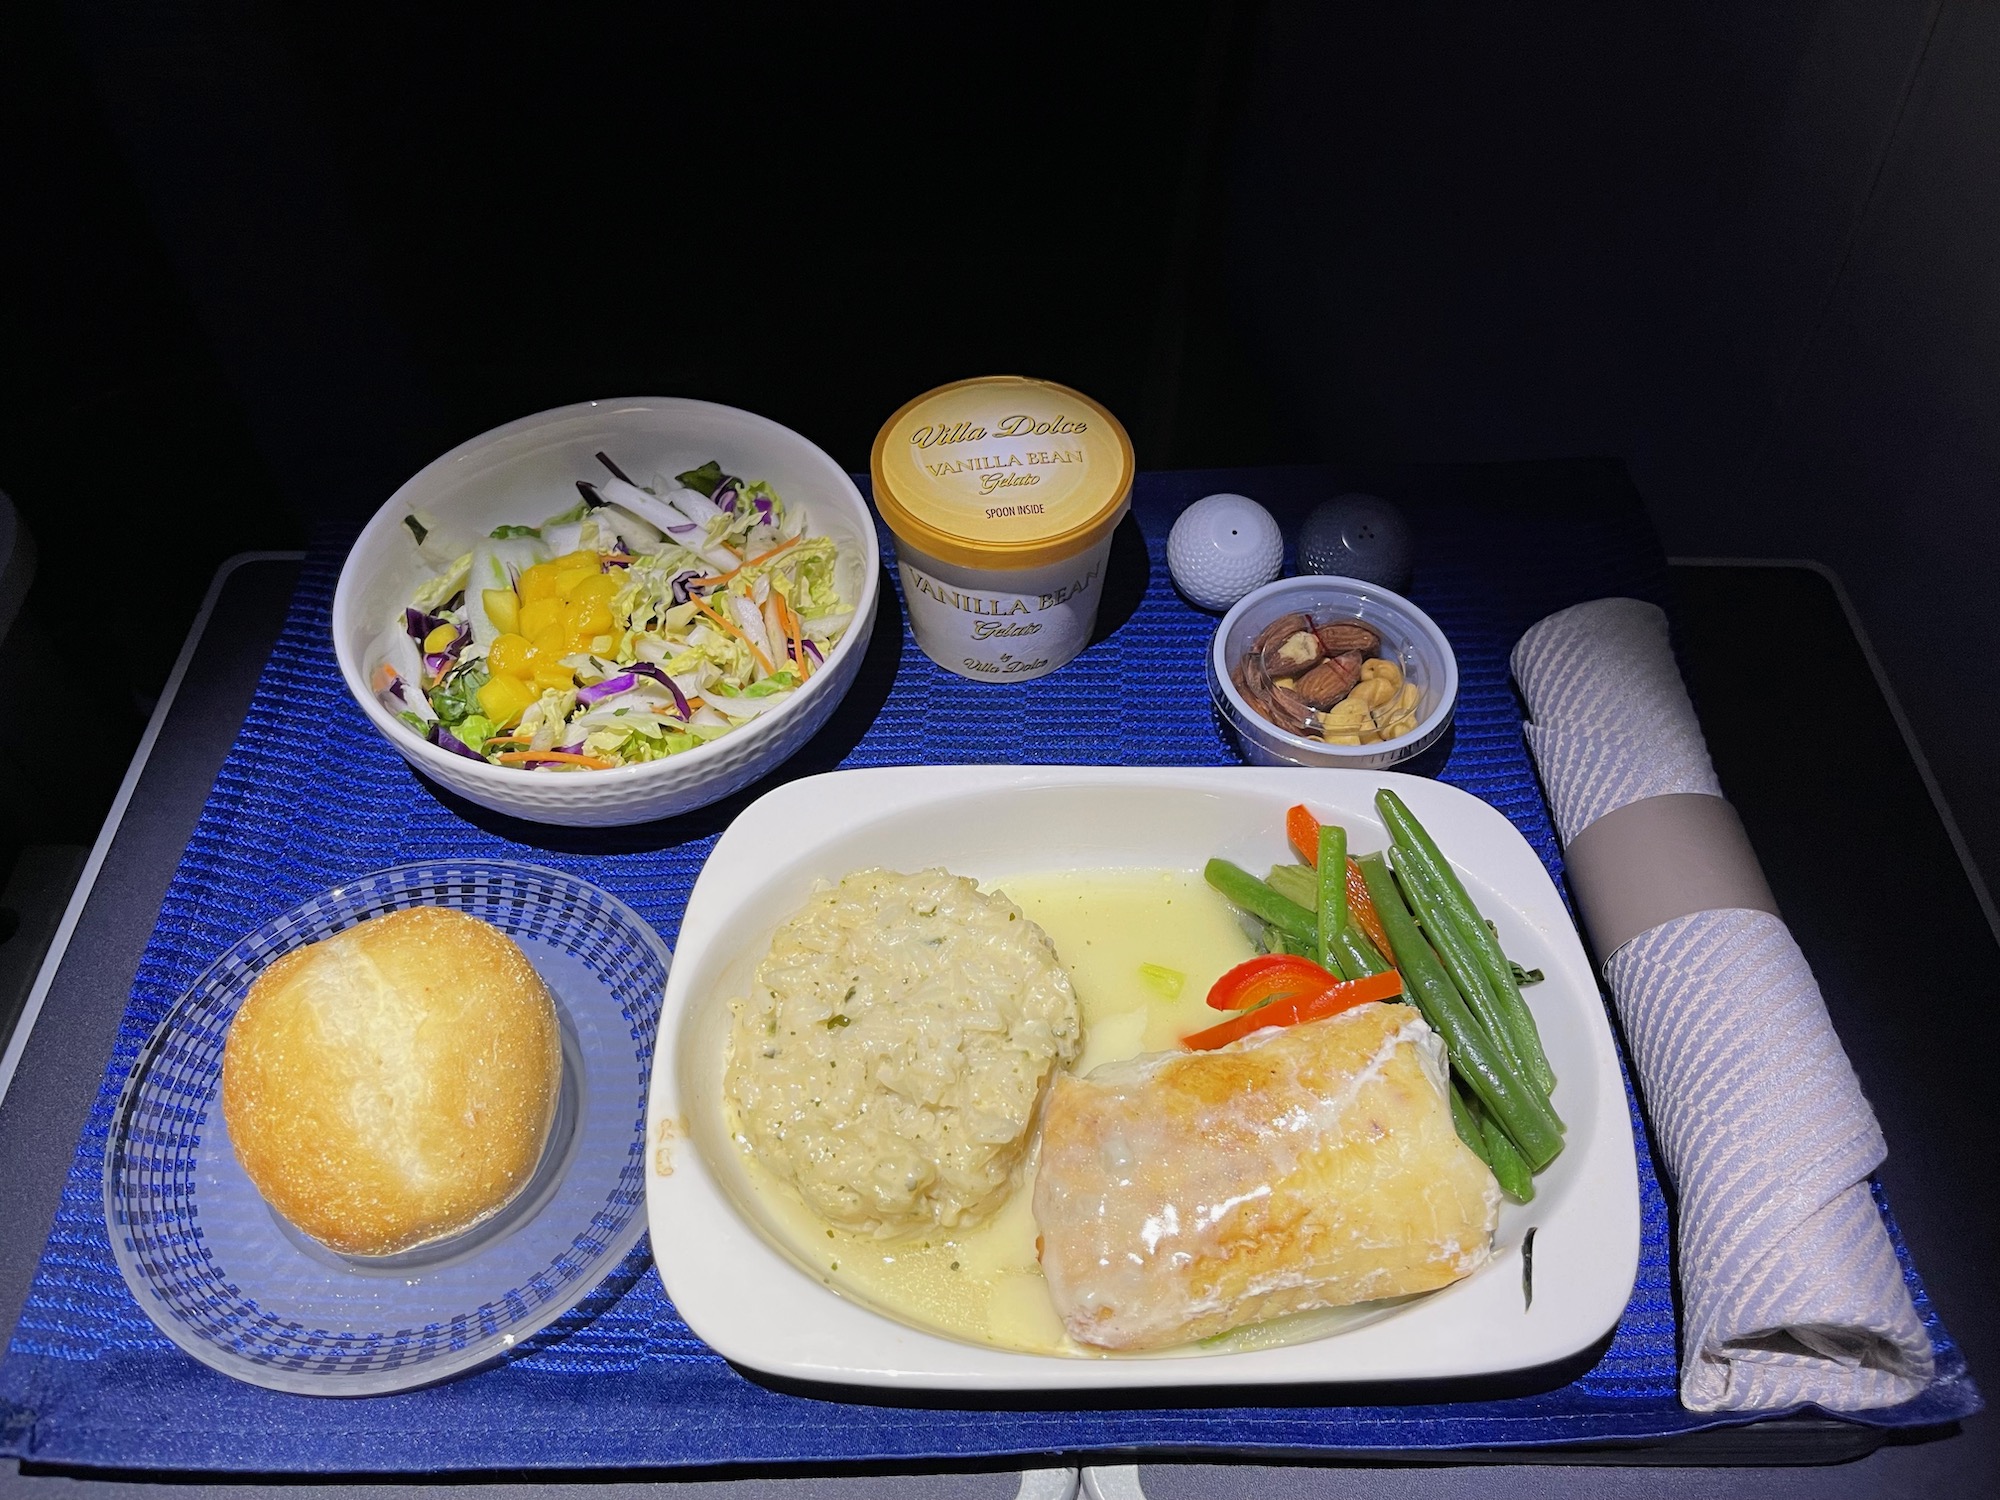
(1002, 494)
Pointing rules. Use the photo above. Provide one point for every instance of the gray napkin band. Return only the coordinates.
(1658, 859)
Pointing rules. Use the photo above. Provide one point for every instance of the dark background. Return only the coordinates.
(262, 261)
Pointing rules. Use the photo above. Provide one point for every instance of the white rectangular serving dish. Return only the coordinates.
(755, 1305)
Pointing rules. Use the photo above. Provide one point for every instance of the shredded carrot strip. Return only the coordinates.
(508, 739)
(384, 675)
(795, 637)
(702, 583)
(521, 757)
(702, 605)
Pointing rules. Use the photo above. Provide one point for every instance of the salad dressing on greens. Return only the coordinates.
(638, 623)
(1142, 948)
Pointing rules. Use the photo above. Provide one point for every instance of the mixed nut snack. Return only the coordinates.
(1327, 680)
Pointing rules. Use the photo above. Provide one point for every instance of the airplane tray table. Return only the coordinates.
(88, 1381)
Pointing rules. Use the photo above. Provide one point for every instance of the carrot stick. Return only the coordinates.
(795, 637)
(702, 583)
(1302, 828)
(522, 757)
(702, 605)
(1361, 908)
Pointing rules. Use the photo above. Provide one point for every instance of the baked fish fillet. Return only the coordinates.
(1181, 1194)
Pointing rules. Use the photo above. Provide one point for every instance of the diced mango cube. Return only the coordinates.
(553, 674)
(440, 638)
(511, 655)
(583, 558)
(503, 608)
(584, 618)
(538, 582)
(537, 615)
(502, 699)
(552, 642)
(567, 579)
(603, 586)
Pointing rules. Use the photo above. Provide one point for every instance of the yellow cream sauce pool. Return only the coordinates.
(984, 1285)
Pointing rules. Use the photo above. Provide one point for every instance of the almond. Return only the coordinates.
(1337, 636)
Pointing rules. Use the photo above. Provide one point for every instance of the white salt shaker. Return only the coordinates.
(1221, 548)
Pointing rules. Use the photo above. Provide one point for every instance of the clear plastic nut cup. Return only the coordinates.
(1002, 494)
(1323, 671)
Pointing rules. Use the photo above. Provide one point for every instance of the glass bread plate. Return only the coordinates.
(246, 1293)
(737, 1276)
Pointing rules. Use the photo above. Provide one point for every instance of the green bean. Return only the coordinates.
(1358, 958)
(1490, 1144)
(1466, 1122)
(1332, 902)
(1510, 1170)
(1458, 959)
(1410, 837)
(1509, 1098)
(1247, 891)
(1280, 941)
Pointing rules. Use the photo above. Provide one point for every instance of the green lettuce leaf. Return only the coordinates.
(708, 478)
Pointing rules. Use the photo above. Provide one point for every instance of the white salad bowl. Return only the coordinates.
(526, 471)
(736, 1273)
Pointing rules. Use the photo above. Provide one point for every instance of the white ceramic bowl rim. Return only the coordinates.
(392, 512)
(1424, 625)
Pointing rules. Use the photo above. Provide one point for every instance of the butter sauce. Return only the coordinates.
(985, 1285)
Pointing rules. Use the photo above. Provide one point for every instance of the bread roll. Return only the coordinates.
(1184, 1194)
(395, 1083)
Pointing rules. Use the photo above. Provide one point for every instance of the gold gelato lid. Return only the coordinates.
(1002, 472)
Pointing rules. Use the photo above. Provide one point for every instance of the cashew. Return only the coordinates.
(1347, 717)
(1379, 666)
(1406, 700)
(1374, 691)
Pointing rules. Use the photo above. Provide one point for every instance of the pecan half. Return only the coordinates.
(1337, 636)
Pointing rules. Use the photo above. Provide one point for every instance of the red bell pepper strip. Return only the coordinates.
(1256, 980)
(1295, 1009)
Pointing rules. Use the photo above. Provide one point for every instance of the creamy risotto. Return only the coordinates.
(895, 1047)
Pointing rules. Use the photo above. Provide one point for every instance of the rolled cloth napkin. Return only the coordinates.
(1790, 1287)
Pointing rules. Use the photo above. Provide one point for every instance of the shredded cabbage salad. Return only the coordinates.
(641, 622)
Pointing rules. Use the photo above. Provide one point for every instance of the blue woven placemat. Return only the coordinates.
(88, 1380)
